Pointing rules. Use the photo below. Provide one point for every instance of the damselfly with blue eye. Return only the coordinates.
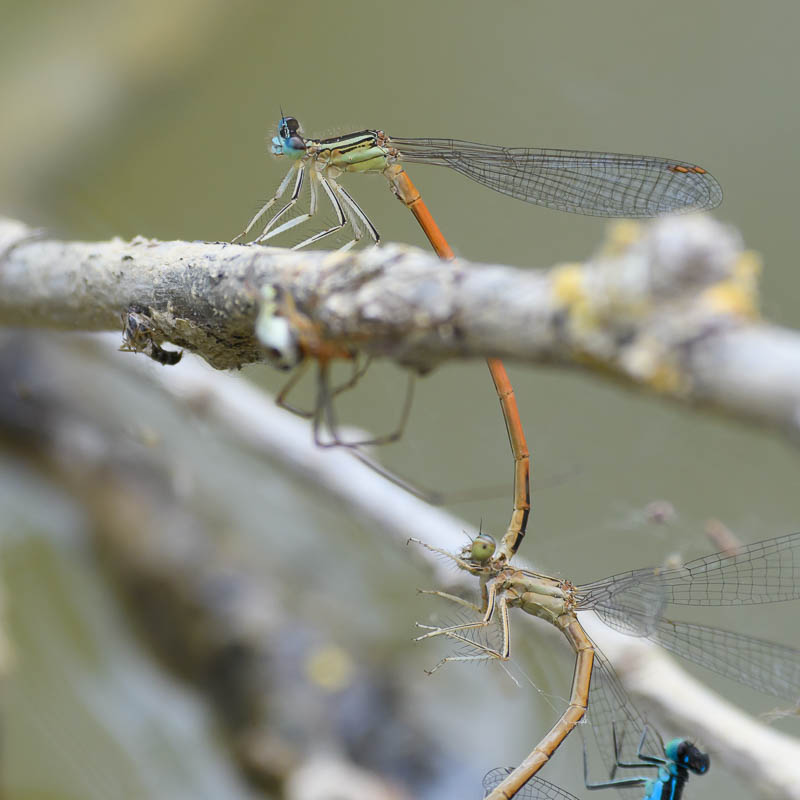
(325, 160)
(678, 760)
(577, 181)
(584, 182)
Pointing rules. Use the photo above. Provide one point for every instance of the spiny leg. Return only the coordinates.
(269, 231)
(340, 217)
(371, 229)
(266, 207)
(486, 654)
(618, 782)
(394, 435)
(502, 607)
(352, 218)
(280, 400)
(647, 760)
(326, 396)
(324, 414)
(454, 598)
(357, 374)
(354, 214)
(465, 565)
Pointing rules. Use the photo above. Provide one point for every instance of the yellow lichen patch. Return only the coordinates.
(739, 294)
(568, 284)
(667, 379)
(730, 298)
(330, 668)
(620, 236)
(649, 364)
(586, 359)
(748, 266)
(570, 293)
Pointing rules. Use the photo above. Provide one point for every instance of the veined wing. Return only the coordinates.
(629, 603)
(611, 713)
(765, 666)
(764, 572)
(577, 181)
(535, 789)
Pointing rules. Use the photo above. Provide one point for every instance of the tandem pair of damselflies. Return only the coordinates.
(632, 603)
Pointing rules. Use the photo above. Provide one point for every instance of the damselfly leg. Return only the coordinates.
(633, 602)
(325, 424)
(295, 169)
(292, 341)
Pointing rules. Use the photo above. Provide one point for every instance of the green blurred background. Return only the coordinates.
(125, 118)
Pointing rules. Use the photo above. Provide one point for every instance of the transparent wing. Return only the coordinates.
(629, 603)
(611, 710)
(535, 789)
(578, 181)
(764, 572)
(765, 666)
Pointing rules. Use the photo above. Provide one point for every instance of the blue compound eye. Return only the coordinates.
(296, 143)
(288, 127)
(690, 757)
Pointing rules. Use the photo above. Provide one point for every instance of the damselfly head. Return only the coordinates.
(481, 548)
(686, 755)
(288, 142)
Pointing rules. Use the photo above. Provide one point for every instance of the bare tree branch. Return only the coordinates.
(670, 307)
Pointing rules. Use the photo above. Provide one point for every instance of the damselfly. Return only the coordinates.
(585, 182)
(679, 758)
(577, 181)
(306, 346)
(632, 603)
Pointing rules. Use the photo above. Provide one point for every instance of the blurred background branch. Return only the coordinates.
(295, 705)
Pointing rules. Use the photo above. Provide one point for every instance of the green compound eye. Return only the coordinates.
(483, 547)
